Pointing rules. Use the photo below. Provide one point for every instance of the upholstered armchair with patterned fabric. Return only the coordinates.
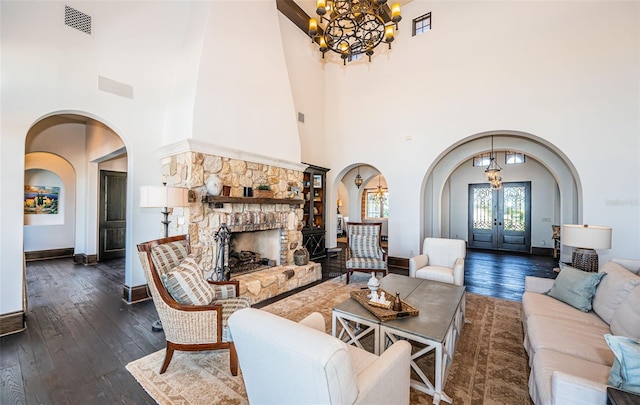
(193, 311)
(364, 248)
(441, 260)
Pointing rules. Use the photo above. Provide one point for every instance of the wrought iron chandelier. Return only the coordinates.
(353, 27)
(493, 170)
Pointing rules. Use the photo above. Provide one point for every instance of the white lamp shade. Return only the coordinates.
(586, 236)
(161, 196)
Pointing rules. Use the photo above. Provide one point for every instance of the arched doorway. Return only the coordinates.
(445, 189)
(90, 149)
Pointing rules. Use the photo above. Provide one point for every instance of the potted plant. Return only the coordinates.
(263, 191)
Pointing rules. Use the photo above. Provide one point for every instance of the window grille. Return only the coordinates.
(422, 24)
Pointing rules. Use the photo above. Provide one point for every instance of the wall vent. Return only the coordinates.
(77, 19)
(300, 117)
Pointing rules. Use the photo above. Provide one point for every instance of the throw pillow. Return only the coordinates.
(223, 291)
(575, 287)
(364, 246)
(625, 372)
(186, 284)
(626, 319)
(613, 290)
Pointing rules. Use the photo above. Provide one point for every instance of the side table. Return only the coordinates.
(620, 397)
(335, 261)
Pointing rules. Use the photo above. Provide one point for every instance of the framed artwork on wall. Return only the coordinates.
(41, 200)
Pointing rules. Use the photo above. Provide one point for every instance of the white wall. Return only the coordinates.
(541, 68)
(184, 74)
(306, 78)
(565, 72)
(543, 188)
(243, 99)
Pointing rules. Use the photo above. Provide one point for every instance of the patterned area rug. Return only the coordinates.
(489, 365)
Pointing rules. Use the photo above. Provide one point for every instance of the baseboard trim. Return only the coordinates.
(398, 262)
(138, 293)
(13, 322)
(35, 255)
(541, 251)
(87, 260)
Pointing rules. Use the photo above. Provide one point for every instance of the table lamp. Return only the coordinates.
(163, 197)
(586, 239)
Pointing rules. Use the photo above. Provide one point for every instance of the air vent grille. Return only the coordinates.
(77, 19)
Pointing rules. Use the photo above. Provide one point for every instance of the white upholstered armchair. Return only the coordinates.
(284, 362)
(441, 260)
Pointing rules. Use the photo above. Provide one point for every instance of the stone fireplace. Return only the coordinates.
(191, 163)
(274, 222)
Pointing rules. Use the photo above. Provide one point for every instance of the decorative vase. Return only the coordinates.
(373, 283)
(214, 185)
(301, 257)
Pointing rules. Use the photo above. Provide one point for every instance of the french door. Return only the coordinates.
(500, 219)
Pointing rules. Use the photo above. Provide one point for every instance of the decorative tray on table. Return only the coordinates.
(381, 311)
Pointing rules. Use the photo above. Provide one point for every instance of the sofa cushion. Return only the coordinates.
(625, 372)
(364, 246)
(613, 289)
(186, 285)
(575, 287)
(626, 319)
(548, 361)
(436, 273)
(540, 304)
(633, 265)
(569, 337)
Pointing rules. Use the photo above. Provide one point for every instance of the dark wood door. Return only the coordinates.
(500, 219)
(113, 214)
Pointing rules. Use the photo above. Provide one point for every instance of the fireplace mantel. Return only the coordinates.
(215, 200)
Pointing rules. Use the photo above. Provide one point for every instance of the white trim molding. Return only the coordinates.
(190, 145)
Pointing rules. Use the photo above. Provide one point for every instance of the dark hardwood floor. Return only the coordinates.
(81, 334)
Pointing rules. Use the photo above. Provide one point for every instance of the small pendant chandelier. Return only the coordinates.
(379, 192)
(358, 180)
(493, 170)
(353, 27)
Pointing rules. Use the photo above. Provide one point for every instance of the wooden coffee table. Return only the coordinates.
(437, 327)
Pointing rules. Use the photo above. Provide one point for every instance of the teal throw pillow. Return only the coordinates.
(625, 372)
(575, 287)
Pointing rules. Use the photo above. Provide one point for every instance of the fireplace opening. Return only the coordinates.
(253, 251)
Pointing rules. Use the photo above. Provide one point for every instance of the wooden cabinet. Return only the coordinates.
(313, 191)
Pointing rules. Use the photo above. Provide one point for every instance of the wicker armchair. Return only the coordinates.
(364, 248)
(187, 327)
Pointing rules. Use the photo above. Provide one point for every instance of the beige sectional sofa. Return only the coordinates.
(568, 354)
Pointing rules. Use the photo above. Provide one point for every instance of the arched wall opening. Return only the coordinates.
(436, 195)
(351, 197)
(50, 230)
(87, 146)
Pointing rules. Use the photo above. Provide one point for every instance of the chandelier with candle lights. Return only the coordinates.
(353, 27)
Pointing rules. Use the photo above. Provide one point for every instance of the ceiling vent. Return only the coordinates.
(77, 19)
